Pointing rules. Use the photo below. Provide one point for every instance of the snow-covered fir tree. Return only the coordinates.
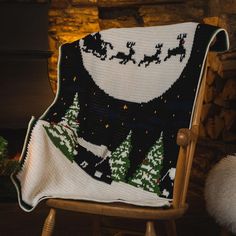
(119, 160)
(71, 116)
(64, 134)
(147, 176)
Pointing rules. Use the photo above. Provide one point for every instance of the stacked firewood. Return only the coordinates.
(218, 120)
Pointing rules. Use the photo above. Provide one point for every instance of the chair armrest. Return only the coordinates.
(184, 137)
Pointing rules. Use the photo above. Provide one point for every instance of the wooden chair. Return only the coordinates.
(186, 139)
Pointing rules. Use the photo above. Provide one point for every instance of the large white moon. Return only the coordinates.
(133, 83)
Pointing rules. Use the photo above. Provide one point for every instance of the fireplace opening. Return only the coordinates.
(25, 89)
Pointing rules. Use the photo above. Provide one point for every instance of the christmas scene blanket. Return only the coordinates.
(110, 134)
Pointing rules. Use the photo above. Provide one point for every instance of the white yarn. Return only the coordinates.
(220, 192)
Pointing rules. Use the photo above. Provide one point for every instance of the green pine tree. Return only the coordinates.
(119, 160)
(64, 134)
(71, 116)
(148, 174)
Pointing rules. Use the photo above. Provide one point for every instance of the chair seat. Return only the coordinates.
(118, 209)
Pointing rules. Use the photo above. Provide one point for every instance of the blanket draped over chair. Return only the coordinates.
(110, 134)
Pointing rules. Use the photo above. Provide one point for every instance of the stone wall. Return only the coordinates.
(68, 22)
(72, 19)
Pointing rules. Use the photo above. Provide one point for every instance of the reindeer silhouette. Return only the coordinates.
(95, 45)
(180, 50)
(152, 58)
(125, 57)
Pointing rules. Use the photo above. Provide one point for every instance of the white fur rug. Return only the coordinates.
(220, 192)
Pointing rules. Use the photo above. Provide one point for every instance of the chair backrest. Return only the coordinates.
(187, 149)
(123, 96)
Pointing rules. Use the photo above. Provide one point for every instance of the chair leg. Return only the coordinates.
(150, 229)
(170, 228)
(49, 223)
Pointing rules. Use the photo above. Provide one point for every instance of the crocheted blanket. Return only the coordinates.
(110, 134)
